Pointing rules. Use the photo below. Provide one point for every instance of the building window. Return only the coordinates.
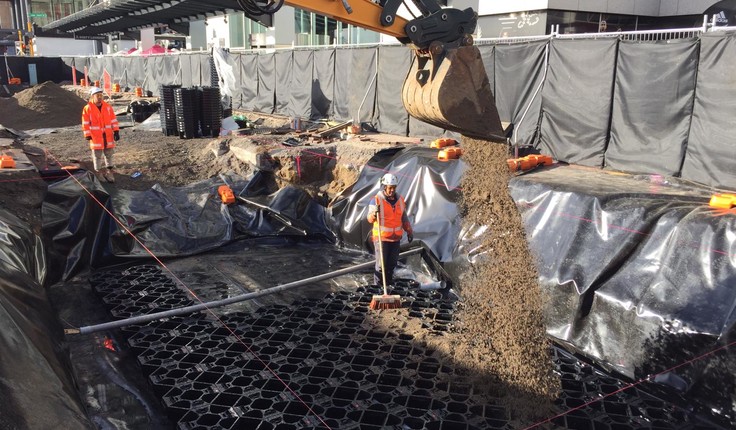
(237, 29)
(41, 7)
(54, 9)
(313, 29)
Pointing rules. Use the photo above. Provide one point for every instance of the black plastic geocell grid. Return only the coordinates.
(351, 375)
(187, 122)
(167, 110)
(211, 111)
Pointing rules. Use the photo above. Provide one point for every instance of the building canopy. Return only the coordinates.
(119, 16)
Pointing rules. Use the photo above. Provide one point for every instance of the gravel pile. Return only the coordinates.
(43, 106)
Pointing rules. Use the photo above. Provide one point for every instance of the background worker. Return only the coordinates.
(389, 209)
(101, 129)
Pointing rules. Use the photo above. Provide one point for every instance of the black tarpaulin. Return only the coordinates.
(248, 81)
(95, 66)
(418, 128)
(16, 66)
(80, 63)
(116, 69)
(300, 102)
(196, 70)
(323, 85)
(488, 55)
(69, 62)
(237, 85)
(639, 273)
(711, 145)
(266, 84)
(49, 69)
(135, 72)
(343, 70)
(149, 68)
(185, 62)
(75, 230)
(206, 70)
(168, 221)
(518, 74)
(576, 100)
(284, 62)
(355, 86)
(170, 69)
(429, 187)
(393, 65)
(36, 381)
(67, 68)
(652, 105)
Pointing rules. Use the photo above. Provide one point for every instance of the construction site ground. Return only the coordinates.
(298, 334)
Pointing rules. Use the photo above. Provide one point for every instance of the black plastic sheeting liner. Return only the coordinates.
(430, 188)
(169, 221)
(36, 387)
(640, 274)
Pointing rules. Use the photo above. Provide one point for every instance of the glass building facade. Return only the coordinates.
(310, 29)
(46, 11)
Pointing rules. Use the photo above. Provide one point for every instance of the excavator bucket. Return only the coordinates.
(450, 89)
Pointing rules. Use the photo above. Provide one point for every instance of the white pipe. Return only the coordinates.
(224, 302)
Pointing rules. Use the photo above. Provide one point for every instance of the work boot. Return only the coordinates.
(100, 175)
(109, 176)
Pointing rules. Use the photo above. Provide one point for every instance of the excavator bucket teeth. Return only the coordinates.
(453, 92)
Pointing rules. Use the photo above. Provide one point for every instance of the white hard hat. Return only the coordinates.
(389, 179)
(94, 90)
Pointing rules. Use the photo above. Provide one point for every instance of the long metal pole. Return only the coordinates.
(224, 302)
(14, 10)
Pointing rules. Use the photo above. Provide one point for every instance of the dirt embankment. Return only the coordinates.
(144, 158)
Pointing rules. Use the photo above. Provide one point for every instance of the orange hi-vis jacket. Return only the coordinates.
(100, 123)
(391, 219)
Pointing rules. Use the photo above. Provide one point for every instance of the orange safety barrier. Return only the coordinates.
(529, 162)
(83, 82)
(138, 92)
(449, 154)
(97, 84)
(442, 142)
(116, 88)
(722, 201)
(7, 162)
(226, 194)
(14, 81)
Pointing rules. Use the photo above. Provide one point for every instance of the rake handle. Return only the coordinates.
(381, 256)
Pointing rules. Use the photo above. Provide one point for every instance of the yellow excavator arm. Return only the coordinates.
(363, 13)
(447, 84)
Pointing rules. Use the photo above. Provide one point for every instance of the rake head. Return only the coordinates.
(385, 301)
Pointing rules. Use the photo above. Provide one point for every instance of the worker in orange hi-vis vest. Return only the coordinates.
(389, 209)
(101, 129)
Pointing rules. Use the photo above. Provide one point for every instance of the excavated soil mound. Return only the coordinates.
(44, 106)
(501, 330)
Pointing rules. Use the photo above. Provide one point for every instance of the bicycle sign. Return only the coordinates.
(527, 19)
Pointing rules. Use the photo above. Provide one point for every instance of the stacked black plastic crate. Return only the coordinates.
(167, 110)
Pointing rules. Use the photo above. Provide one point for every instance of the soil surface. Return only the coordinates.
(501, 332)
(143, 158)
